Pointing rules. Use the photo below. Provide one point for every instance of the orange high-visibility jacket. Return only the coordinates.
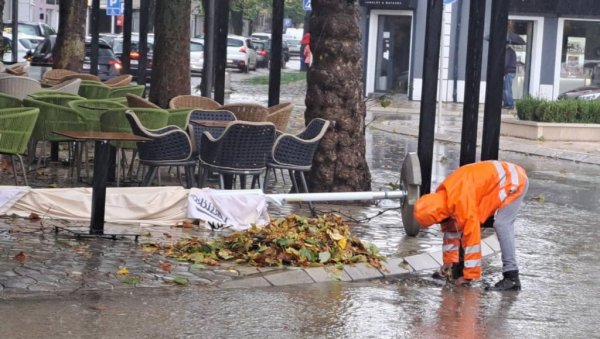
(470, 195)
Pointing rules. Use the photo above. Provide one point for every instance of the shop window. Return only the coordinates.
(580, 54)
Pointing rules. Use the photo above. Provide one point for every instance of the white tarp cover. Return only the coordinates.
(9, 195)
(238, 209)
(131, 205)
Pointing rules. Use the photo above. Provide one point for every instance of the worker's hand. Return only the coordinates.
(446, 271)
(448, 225)
(461, 281)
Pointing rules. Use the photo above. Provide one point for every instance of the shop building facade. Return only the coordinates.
(561, 48)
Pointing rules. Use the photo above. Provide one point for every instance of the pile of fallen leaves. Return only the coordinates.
(290, 241)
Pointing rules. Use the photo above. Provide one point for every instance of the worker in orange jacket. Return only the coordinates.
(464, 201)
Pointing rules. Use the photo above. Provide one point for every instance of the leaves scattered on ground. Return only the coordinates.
(539, 198)
(291, 241)
(21, 257)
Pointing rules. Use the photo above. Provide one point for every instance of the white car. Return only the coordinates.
(26, 43)
(240, 53)
(196, 55)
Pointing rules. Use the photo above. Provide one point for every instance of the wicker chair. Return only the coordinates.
(196, 131)
(93, 89)
(8, 101)
(82, 76)
(69, 86)
(19, 87)
(280, 115)
(16, 126)
(295, 152)
(119, 81)
(92, 110)
(55, 76)
(137, 101)
(168, 146)
(54, 97)
(193, 101)
(247, 112)
(115, 120)
(242, 149)
(20, 69)
(122, 91)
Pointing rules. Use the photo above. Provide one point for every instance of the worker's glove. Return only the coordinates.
(461, 281)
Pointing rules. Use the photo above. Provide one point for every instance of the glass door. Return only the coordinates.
(524, 29)
(393, 53)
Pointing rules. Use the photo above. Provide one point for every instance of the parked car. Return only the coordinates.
(134, 53)
(583, 93)
(260, 36)
(26, 44)
(196, 55)
(263, 51)
(31, 28)
(240, 53)
(294, 47)
(108, 64)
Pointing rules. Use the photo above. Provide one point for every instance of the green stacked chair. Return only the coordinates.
(16, 127)
(8, 101)
(53, 118)
(179, 117)
(115, 120)
(93, 89)
(120, 92)
(92, 110)
(54, 97)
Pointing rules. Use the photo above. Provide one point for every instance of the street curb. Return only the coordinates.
(393, 267)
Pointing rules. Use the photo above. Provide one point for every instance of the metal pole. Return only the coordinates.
(94, 32)
(276, 52)
(15, 31)
(495, 80)
(222, 14)
(127, 24)
(428, 100)
(143, 43)
(468, 144)
(208, 74)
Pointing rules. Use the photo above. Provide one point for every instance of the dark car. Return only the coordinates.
(134, 54)
(108, 64)
(263, 52)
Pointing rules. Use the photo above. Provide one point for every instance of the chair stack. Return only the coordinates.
(16, 127)
(247, 112)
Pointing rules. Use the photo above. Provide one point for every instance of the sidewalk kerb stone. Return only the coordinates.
(246, 283)
(437, 256)
(322, 274)
(362, 271)
(493, 243)
(395, 266)
(422, 261)
(289, 277)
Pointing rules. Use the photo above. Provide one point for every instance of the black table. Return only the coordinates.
(101, 159)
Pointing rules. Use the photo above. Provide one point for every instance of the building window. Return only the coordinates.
(580, 54)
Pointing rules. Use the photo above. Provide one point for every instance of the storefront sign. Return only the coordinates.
(557, 7)
(389, 4)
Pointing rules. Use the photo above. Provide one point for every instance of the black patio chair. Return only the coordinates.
(295, 153)
(168, 146)
(196, 131)
(242, 149)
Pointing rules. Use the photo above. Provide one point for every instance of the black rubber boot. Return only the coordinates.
(510, 282)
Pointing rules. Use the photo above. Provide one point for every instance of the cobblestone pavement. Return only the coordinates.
(34, 260)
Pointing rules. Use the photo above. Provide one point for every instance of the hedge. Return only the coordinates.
(568, 110)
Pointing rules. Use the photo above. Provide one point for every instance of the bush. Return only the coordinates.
(569, 110)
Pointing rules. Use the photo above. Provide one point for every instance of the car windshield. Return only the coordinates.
(293, 42)
(234, 42)
(28, 29)
(196, 47)
(118, 46)
(103, 51)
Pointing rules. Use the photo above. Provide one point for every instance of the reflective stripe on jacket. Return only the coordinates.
(470, 195)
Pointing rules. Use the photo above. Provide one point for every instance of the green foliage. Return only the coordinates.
(562, 111)
(286, 78)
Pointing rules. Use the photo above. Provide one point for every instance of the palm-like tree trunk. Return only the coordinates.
(69, 51)
(171, 60)
(335, 93)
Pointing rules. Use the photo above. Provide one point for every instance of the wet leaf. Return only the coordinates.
(167, 235)
(34, 216)
(131, 280)
(563, 172)
(324, 257)
(122, 270)
(53, 185)
(179, 280)
(342, 243)
(146, 234)
(21, 257)
(98, 307)
(540, 198)
(166, 266)
(5, 165)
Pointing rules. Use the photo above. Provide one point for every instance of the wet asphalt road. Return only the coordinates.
(557, 249)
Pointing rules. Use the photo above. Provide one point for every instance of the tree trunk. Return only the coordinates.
(335, 93)
(69, 51)
(237, 22)
(1, 29)
(171, 60)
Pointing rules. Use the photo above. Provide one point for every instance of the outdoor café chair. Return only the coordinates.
(18, 86)
(280, 115)
(93, 89)
(196, 130)
(193, 101)
(295, 153)
(122, 91)
(54, 97)
(9, 101)
(119, 81)
(55, 76)
(168, 146)
(241, 150)
(16, 126)
(247, 112)
(69, 86)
